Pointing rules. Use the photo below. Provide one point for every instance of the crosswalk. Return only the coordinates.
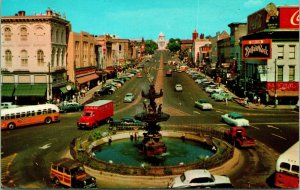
(5, 167)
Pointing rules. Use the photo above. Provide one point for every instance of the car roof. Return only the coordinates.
(67, 163)
(191, 174)
(127, 117)
(129, 93)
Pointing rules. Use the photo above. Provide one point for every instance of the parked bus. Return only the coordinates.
(29, 115)
(287, 168)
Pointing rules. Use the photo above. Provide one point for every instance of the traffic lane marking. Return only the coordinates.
(271, 126)
(278, 136)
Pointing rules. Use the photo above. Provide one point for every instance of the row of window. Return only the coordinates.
(291, 51)
(24, 57)
(280, 73)
(58, 37)
(28, 114)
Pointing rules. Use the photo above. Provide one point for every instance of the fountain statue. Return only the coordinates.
(152, 143)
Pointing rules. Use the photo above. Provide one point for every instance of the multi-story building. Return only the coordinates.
(81, 61)
(121, 52)
(33, 65)
(270, 52)
(201, 50)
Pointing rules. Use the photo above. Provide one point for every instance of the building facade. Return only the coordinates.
(34, 51)
(270, 53)
(162, 42)
(81, 62)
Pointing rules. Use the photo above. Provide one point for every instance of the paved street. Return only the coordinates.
(275, 130)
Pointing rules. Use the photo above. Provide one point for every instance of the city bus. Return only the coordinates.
(287, 168)
(29, 115)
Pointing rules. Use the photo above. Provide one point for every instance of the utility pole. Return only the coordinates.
(49, 83)
(275, 93)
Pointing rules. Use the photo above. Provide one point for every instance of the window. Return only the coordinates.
(280, 52)
(23, 114)
(7, 34)
(295, 168)
(39, 112)
(12, 116)
(8, 57)
(40, 57)
(24, 58)
(280, 73)
(60, 169)
(291, 73)
(292, 50)
(44, 111)
(285, 166)
(23, 34)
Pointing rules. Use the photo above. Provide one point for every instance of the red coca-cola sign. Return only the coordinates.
(289, 17)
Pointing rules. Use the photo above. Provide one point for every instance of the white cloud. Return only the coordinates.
(252, 3)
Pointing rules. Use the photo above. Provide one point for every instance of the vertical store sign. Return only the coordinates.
(289, 17)
(257, 49)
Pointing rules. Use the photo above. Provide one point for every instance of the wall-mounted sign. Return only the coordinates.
(257, 21)
(289, 17)
(257, 49)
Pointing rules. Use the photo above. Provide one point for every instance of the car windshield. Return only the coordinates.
(77, 170)
(235, 115)
(87, 114)
(203, 101)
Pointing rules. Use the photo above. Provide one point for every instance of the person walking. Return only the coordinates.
(258, 100)
(254, 99)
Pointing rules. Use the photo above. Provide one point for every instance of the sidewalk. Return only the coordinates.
(250, 104)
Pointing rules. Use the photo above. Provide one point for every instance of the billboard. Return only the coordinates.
(289, 17)
(257, 49)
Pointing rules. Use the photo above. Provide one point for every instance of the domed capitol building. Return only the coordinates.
(162, 42)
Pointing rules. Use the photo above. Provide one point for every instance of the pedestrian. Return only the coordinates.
(226, 101)
(254, 99)
(258, 101)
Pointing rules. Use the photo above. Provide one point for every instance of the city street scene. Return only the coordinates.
(150, 94)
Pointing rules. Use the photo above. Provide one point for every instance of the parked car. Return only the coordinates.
(221, 96)
(178, 88)
(70, 107)
(5, 105)
(139, 75)
(106, 90)
(203, 104)
(200, 178)
(213, 88)
(126, 122)
(129, 97)
(235, 119)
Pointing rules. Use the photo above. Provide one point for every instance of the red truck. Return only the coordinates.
(96, 112)
(237, 136)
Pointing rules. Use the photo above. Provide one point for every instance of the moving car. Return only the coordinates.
(126, 122)
(129, 97)
(104, 91)
(178, 88)
(235, 119)
(221, 96)
(203, 104)
(71, 173)
(70, 107)
(200, 178)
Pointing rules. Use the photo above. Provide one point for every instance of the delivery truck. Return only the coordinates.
(95, 113)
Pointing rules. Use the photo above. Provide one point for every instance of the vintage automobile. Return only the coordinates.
(203, 104)
(235, 119)
(129, 97)
(221, 96)
(70, 107)
(178, 88)
(213, 88)
(200, 178)
(71, 173)
(127, 122)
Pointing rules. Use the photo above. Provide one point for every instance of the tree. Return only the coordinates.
(150, 46)
(174, 45)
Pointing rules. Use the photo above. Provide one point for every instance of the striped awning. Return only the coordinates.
(281, 93)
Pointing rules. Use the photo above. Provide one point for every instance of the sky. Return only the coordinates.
(136, 19)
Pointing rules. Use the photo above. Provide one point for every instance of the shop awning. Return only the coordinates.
(283, 93)
(7, 90)
(87, 78)
(30, 90)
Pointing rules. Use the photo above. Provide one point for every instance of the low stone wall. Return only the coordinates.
(84, 152)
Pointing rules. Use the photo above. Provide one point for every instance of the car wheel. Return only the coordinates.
(11, 126)
(56, 181)
(48, 120)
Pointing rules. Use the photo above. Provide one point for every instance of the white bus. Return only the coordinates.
(29, 115)
(287, 168)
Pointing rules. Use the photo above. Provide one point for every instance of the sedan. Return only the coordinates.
(178, 88)
(200, 178)
(129, 97)
(70, 107)
(203, 104)
(221, 96)
(235, 119)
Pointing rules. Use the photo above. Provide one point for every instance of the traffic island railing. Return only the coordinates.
(82, 149)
